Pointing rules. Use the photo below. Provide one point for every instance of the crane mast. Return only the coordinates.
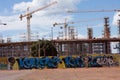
(28, 16)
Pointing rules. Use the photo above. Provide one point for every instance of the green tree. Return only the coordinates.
(43, 48)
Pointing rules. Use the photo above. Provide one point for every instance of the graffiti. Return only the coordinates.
(105, 61)
(89, 61)
(29, 63)
(69, 62)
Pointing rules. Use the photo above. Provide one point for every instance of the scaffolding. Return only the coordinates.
(90, 33)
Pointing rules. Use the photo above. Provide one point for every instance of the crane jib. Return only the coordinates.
(30, 13)
(87, 11)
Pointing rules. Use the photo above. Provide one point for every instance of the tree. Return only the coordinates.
(43, 48)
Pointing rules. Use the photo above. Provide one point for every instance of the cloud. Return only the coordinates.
(21, 6)
(13, 23)
(61, 6)
(42, 20)
(116, 17)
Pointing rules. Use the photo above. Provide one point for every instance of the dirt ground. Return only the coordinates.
(107, 73)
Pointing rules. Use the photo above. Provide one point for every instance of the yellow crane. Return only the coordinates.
(28, 16)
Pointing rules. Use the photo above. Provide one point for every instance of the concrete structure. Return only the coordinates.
(16, 49)
(64, 47)
(83, 46)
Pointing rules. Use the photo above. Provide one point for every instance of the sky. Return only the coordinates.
(43, 20)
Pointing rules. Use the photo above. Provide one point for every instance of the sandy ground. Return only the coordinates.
(63, 74)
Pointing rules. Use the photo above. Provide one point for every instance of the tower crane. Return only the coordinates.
(28, 16)
(65, 24)
(88, 11)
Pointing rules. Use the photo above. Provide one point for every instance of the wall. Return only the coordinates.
(66, 62)
(60, 62)
(3, 63)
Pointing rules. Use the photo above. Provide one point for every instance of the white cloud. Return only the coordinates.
(13, 23)
(61, 5)
(116, 17)
(21, 6)
(41, 20)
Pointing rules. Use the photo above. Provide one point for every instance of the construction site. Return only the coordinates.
(67, 42)
(60, 40)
